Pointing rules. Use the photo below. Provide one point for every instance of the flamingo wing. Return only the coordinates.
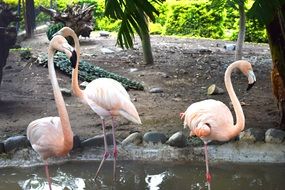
(46, 136)
(108, 97)
(210, 118)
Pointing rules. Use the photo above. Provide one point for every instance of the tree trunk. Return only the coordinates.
(241, 34)
(276, 37)
(146, 45)
(30, 18)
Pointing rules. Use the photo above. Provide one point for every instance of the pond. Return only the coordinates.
(135, 175)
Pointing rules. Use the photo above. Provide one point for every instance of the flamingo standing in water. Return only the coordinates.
(105, 96)
(53, 136)
(212, 120)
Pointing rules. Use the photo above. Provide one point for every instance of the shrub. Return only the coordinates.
(194, 18)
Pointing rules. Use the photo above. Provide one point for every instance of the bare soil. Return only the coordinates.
(183, 69)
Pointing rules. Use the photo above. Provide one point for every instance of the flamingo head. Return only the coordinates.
(247, 70)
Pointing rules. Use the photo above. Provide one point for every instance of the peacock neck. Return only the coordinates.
(240, 120)
(60, 104)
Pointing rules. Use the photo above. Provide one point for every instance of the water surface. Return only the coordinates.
(132, 175)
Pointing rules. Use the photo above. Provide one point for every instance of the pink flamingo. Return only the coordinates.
(106, 97)
(52, 136)
(212, 120)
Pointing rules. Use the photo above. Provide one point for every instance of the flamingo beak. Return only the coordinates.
(251, 80)
(250, 85)
(73, 59)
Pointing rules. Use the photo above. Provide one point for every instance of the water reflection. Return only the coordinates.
(62, 181)
(153, 181)
(133, 175)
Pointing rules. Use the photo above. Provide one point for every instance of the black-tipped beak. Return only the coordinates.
(73, 59)
(250, 86)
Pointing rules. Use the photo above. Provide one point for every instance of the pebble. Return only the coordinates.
(98, 141)
(178, 139)
(134, 138)
(156, 90)
(76, 142)
(16, 142)
(252, 135)
(274, 136)
(154, 137)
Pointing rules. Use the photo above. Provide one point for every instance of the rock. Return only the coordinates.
(177, 140)
(98, 140)
(156, 90)
(154, 137)
(134, 138)
(76, 142)
(230, 47)
(65, 92)
(274, 136)
(107, 51)
(214, 89)
(104, 34)
(84, 84)
(2, 149)
(14, 143)
(252, 135)
(133, 70)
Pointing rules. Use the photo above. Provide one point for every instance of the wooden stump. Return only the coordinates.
(214, 89)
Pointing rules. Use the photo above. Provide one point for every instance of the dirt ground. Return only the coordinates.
(183, 69)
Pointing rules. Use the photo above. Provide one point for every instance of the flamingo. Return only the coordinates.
(52, 136)
(106, 97)
(212, 120)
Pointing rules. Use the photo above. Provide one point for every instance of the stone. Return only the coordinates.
(274, 136)
(104, 34)
(65, 92)
(76, 142)
(107, 51)
(156, 90)
(98, 141)
(84, 84)
(134, 138)
(14, 143)
(252, 135)
(178, 139)
(154, 137)
(2, 149)
(214, 90)
(230, 47)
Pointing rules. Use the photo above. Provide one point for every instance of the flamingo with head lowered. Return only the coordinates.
(53, 136)
(105, 96)
(212, 120)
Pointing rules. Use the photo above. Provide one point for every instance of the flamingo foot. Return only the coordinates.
(208, 177)
(105, 156)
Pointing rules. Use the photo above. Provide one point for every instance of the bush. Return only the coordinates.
(194, 18)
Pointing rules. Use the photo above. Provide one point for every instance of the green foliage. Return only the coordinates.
(88, 72)
(53, 28)
(194, 18)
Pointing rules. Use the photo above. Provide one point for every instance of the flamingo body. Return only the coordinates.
(210, 120)
(46, 137)
(107, 97)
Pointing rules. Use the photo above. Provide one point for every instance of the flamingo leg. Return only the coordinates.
(208, 175)
(106, 153)
(47, 174)
(115, 151)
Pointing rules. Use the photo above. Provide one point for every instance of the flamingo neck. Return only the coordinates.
(60, 104)
(75, 87)
(240, 121)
